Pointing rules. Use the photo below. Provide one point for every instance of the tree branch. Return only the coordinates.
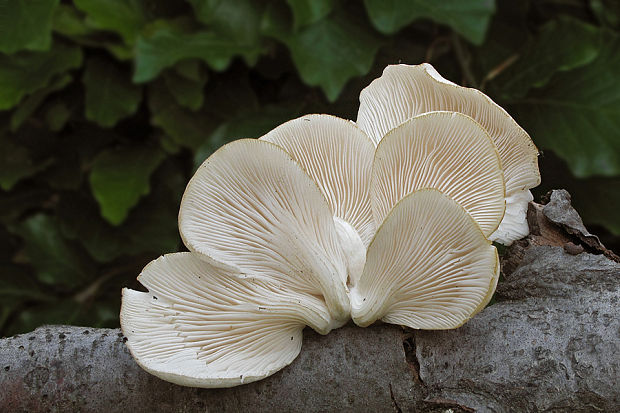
(550, 342)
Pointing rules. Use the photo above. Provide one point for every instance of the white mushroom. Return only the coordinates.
(448, 151)
(338, 156)
(252, 210)
(199, 326)
(405, 91)
(429, 266)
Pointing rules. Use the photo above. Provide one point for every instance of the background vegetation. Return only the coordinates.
(107, 106)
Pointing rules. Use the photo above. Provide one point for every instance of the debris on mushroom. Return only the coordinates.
(404, 91)
(428, 267)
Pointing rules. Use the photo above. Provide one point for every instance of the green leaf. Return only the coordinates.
(252, 124)
(70, 22)
(16, 203)
(55, 260)
(309, 11)
(17, 282)
(27, 72)
(125, 17)
(80, 220)
(16, 163)
(119, 178)
(607, 12)
(29, 105)
(57, 114)
(166, 47)
(332, 51)
(186, 128)
(26, 24)
(561, 45)
(597, 199)
(469, 18)
(58, 312)
(110, 95)
(186, 84)
(238, 20)
(577, 114)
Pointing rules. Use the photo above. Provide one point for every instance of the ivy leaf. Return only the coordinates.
(238, 20)
(110, 95)
(26, 25)
(69, 22)
(57, 114)
(309, 11)
(332, 51)
(469, 18)
(186, 128)
(57, 312)
(253, 124)
(17, 202)
(561, 45)
(29, 105)
(80, 220)
(16, 163)
(166, 47)
(595, 198)
(120, 177)
(186, 83)
(26, 72)
(17, 282)
(577, 114)
(55, 260)
(125, 17)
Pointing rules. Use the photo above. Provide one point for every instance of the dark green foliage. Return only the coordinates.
(107, 107)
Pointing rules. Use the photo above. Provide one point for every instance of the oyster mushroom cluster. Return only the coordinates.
(324, 220)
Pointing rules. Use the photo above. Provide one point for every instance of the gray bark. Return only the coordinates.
(551, 342)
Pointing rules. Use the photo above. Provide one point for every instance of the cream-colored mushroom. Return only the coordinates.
(202, 327)
(252, 210)
(338, 156)
(428, 267)
(404, 91)
(447, 151)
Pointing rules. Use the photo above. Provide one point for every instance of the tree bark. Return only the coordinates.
(550, 342)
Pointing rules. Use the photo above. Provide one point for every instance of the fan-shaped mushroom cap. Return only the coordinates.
(404, 91)
(447, 151)
(338, 156)
(429, 266)
(198, 326)
(253, 208)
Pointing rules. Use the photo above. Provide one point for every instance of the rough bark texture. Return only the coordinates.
(551, 342)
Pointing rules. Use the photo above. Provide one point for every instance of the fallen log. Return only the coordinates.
(550, 342)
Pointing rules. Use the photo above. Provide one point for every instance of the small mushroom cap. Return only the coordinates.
(198, 326)
(428, 267)
(251, 209)
(447, 151)
(404, 91)
(338, 156)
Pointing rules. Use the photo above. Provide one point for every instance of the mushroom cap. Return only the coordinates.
(338, 156)
(428, 267)
(447, 151)
(199, 326)
(252, 210)
(404, 91)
